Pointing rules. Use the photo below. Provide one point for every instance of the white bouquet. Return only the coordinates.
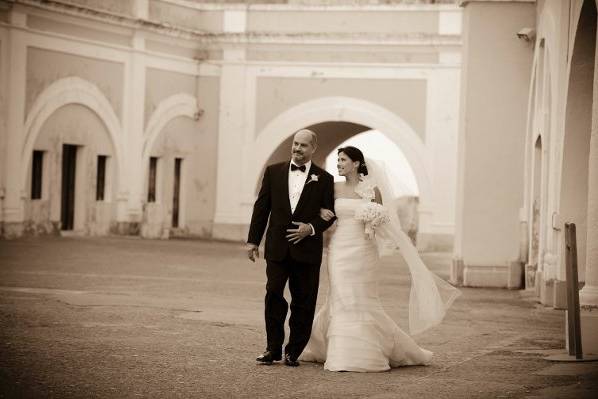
(373, 215)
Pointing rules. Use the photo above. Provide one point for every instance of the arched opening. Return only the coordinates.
(66, 91)
(578, 126)
(169, 196)
(526, 239)
(405, 196)
(536, 204)
(72, 174)
(337, 118)
(332, 135)
(75, 113)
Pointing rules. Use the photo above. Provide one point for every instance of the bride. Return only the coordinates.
(352, 332)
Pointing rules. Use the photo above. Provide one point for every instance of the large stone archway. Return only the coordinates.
(235, 198)
(157, 214)
(72, 90)
(344, 109)
(168, 109)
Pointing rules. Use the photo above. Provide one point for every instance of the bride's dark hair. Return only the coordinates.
(355, 155)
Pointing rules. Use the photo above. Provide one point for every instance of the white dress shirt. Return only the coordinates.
(297, 180)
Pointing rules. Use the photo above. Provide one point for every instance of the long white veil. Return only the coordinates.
(430, 296)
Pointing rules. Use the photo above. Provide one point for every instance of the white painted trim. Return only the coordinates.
(268, 68)
(463, 3)
(107, 52)
(235, 21)
(348, 39)
(345, 109)
(72, 90)
(141, 9)
(177, 105)
(320, 71)
(311, 7)
(450, 22)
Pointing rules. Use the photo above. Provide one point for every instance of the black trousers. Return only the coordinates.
(303, 281)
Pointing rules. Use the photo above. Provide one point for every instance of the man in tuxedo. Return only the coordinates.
(291, 195)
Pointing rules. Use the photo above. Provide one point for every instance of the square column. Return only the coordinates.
(12, 204)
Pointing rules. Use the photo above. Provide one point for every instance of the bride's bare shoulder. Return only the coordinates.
(336, 187)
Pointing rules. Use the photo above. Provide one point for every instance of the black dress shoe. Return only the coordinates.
(268, 357)
(290, 360)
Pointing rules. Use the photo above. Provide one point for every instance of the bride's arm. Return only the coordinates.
(326, 214)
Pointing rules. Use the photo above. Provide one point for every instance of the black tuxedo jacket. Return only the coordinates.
(273, 202)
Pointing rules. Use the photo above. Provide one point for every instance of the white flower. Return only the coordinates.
(313, 177)
(365, 188)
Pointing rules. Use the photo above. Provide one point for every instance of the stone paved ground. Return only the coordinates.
(128, 318)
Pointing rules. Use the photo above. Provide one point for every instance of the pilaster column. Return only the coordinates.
(230, 150)
(135, 129)
(141, 9)
(233, 124)
(12, 205)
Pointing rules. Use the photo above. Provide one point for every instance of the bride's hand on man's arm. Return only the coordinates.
(326, 214)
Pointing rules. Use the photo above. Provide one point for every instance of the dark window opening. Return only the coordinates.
(37, 174)
(69, 171)
(101, 178)
(151, 188)
(177, 190)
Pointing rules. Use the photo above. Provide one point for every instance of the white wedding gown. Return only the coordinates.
(352, 332)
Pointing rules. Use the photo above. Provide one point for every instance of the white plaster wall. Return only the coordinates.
(441, 145)
(45, 67)
(130, 76)
(492, 132)
(3, 132)
(314, 20)
(16, 55)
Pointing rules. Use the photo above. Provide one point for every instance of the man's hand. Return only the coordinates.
(295, 235)
(253, 251)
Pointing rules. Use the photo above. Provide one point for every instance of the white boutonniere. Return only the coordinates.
(312, 177)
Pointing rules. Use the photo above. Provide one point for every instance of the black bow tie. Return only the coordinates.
(295, 167)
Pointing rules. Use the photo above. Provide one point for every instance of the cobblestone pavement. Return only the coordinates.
(128, 318)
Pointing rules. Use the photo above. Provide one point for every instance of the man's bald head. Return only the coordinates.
(305, 143)
(311, 134)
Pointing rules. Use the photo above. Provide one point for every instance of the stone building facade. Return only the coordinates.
(157, 117)
(528, 150)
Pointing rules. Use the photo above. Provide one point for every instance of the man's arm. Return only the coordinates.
(261, 211)
(319, 224)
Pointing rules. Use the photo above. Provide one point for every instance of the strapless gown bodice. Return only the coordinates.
(352, 332)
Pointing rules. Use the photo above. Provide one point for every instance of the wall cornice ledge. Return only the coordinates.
(310, 7)
(463, 3)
